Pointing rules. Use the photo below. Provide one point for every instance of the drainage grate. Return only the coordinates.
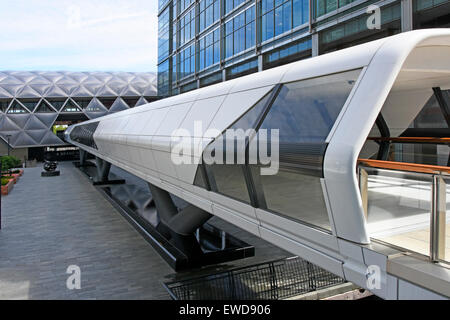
(274, 280)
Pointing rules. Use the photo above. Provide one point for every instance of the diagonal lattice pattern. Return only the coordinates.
(31, 102)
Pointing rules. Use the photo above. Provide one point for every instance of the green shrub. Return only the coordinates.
(4, 181)
(9, 162)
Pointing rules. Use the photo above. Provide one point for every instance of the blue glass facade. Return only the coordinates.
(201, 42)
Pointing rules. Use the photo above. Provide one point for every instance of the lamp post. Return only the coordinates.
(7, 137)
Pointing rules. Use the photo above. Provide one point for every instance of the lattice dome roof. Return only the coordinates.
(31, 102)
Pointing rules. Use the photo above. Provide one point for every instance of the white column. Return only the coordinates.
(407, 15)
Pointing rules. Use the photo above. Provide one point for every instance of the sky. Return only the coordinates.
(78, 35)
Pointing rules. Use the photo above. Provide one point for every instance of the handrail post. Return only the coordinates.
(364, 189)
(438, 219)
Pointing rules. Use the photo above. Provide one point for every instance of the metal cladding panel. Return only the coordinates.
(200, 116)
(154, 121)
(233, 107)
(173, 119)
(136, 122)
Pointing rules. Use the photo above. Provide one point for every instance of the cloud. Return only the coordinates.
(78, 35)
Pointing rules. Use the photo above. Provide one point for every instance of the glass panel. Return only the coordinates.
(17, 108)
(297, 196)
(230, 181)
(70, 107)
(30, 104)
(83, 103)
(44, 108)
(431, 115)
(248, 120)
(305, 111)
(399, 211)
(107, 102)
(199, 180)
(131, 102)
(57, 104)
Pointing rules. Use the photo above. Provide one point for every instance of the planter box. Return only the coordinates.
(16, 177)
(7, 189)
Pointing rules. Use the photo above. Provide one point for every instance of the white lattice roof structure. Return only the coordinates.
(31, 102)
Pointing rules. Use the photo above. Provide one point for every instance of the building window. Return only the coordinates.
(353, 32)
(431, 14)
(240, 32)
(17, 108)
(59, 103)
(175, 8)
(187, 27)
(186, 62)
(209, 49)
(289, 53)
(188, 87)
(242, 69)
(174, 69)
(279, 16)
(184, 4)
(327, 6)
(82, 102)
(30, 104)
(162, 3)
(211, 79)
(163, 78)
(174, 36)
(164, 34)
(231, 4)
(209, 13)
(300, 12)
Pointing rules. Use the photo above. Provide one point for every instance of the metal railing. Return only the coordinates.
(436, 176)
(280, 279)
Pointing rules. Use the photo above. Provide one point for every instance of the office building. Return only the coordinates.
(202, 42)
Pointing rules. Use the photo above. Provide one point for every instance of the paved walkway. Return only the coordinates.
(52, 223)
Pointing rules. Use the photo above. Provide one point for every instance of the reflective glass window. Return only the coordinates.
(296, 196)
(209, 49)
(240, 32)
(231, 4)
(17, 108)
(187, 26)
(163, 78)
(230, 181)
(305, 111)
(186, 62)
(280, 16)
(163, 34)
(209, 12)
